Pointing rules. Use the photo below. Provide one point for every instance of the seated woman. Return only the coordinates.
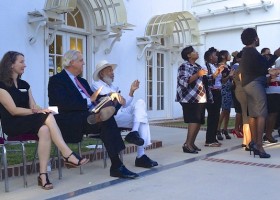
(20, 115)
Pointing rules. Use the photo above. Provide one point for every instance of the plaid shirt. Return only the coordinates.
(194, 92)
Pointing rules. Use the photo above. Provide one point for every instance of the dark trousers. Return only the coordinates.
(213, 110)
(110, 136)
(74, 125)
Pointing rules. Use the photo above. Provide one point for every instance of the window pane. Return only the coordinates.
(158, 103)
(58, 64)
(150, 85)
(51, 66)
(158, 88)
(158, 74)
(75, 19)
(80, 45)
(150, 73)
(70, 20)
(51, 48)
(150, 103)
(73, 43)
(59, 44)
(79, 20)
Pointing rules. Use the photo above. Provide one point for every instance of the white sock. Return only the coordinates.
(136, 126)
(140, 151)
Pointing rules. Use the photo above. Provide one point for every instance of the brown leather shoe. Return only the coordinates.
(103, 115)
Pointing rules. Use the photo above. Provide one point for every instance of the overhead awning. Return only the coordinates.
(110, 15)
(181, 26)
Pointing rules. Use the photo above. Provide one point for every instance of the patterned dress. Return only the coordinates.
(196, 91)
(226, 91)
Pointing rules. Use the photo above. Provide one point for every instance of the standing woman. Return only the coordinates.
(20, 115)
(213, 109)
(227, 84)
(191, 94)
(242, 99)
(253, 68)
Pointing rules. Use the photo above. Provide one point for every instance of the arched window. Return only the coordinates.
(75, 19)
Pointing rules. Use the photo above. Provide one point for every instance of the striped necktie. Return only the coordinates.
(81, 87)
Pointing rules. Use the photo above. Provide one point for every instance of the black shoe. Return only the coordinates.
(263, 155)
(253, 147)
(247, 149)
(134, 138)
(271, 140)
(123, 172)
(219, 135)
(186, 149)
(196, 148)
(145, 161)
(225, 132)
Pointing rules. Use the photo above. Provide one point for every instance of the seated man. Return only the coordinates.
(129, 115)
(73, 97)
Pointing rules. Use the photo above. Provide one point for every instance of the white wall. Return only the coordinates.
(14, 36)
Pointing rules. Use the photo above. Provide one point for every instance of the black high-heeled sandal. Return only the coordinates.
(40, 182)
(252, 147)
(70, 164)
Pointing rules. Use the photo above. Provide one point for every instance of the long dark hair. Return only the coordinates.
(6, 63)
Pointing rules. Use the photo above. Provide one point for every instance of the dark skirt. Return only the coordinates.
(29, 124)
(194, 112)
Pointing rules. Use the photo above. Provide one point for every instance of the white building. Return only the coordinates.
(148, 51)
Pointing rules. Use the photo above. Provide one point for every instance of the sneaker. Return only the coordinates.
(219, 135)
(145, 162)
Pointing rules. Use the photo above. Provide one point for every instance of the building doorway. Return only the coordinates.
(156, 84)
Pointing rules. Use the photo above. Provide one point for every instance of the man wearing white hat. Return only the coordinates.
(129, 115)
(73, 97)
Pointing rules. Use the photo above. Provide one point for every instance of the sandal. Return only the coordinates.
(40, 182)
(70, 164)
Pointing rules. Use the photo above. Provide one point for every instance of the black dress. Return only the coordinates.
(18, 125)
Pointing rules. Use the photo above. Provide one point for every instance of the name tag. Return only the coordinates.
(23, 90)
